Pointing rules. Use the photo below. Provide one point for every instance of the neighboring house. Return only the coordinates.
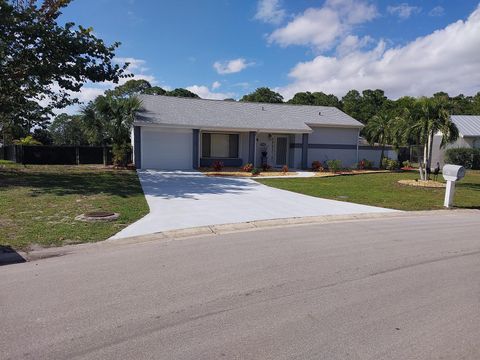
(469, 137)
(185, 133)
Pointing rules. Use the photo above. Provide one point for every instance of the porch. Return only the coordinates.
(236, 149)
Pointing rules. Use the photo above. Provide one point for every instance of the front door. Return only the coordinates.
(281, 151)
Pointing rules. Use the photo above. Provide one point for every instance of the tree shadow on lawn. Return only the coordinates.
(121, 183)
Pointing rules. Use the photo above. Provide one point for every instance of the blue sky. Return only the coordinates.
(226, 48)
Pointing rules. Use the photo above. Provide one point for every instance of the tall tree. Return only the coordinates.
(379, 130)
(352, 103)
(68, 130)
(263, 94)
(42, 62)
(179, 92)
(114, 118)
(134, 87)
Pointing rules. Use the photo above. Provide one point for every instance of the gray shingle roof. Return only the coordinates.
(468, 125)
(219, 114)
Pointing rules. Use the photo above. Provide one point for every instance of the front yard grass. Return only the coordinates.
(39, 203)
(383, 190)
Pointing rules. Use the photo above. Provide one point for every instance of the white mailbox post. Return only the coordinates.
(451, 173)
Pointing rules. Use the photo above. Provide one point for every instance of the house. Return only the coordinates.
(186, 133)
(469, 137)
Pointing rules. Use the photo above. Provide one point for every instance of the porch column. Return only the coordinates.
(195, 147)
(304, 151)
(137, 148)
(252, 137)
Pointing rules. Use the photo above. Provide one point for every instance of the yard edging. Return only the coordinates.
(213, 230)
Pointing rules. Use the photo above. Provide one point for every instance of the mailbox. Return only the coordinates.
(453, 172)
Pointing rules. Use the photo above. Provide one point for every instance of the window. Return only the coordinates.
(219, 145)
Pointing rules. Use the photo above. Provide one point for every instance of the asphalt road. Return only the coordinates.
(399, 288)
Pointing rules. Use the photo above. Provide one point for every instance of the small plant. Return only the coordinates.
(365, 164)
(390, 164)
(266, 167)
(247, 167)
(27, 140)
(317, 166)
(285, 169)
(255, 171)
(120, 154)
(334, 165)
(218, 165)
(406, 164)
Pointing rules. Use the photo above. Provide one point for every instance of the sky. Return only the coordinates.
(227, 48)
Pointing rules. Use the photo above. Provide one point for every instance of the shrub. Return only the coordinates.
(266, 167)
(120, 152)
(255, 171)
(27, 140)
(317, 166)
(334, 165)
(406, 164)
(466, 157)
(247, 167)
(390, 164)
(285, 169)
(218, 165)
(365, 164)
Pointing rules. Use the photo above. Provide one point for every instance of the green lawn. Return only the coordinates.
(383, 190)
(38, 203)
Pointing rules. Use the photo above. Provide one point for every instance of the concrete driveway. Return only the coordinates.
(183, 199)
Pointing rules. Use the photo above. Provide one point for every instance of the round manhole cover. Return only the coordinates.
(99, 214)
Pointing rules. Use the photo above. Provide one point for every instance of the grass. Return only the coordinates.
(39, 203)
(383, 190)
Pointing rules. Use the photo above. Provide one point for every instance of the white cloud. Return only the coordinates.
(437, 11)
(353, 43)
(270, 11)
(205, 93)
(231, 66)
(445, 60)
(323, 27)
(216, 85)
(403, 10)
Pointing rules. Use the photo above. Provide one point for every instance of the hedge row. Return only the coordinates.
(466, 157)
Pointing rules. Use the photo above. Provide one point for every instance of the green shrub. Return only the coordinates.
(120, 152)
(256, 171)
(467, 157)
(406, 164)
(390, 164)
(334, 165)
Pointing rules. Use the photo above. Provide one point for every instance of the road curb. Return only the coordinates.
(231, 228)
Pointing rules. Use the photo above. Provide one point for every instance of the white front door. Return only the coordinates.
(280, 150)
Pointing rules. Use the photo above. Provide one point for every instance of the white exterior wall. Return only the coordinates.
(438, 154)
(166, 148)
(373, 155)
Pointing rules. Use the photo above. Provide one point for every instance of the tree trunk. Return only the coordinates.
(381, 156)
(430, 151)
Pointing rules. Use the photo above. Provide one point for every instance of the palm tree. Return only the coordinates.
(112, 117)
(378, 130)
(433, 118)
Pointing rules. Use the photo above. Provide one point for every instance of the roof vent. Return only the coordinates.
(263, 109)
(320, 113)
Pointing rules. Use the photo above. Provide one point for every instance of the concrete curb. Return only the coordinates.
(231, 228)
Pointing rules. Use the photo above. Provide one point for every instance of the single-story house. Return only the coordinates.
(186, 133)
(469, 137)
